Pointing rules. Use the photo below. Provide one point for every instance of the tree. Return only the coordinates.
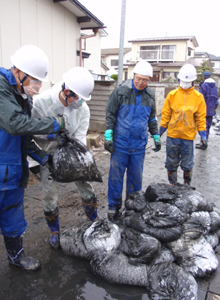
(114, 76)
(201, 69)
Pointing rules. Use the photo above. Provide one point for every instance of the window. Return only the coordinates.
(189, 52)
(170, 76)
(126, 75)
(168, 52)
(83, 44)
(114, 62)
(149, 52)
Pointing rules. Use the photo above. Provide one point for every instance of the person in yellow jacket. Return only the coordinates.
(183, 113)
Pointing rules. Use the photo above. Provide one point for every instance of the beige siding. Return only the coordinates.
(45, 24)
(93, 46)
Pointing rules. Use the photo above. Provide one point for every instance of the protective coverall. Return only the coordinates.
(129, 113)
(183, 113)
(77, 123)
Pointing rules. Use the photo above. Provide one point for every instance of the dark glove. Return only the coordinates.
(61, 122)
(162, 130)
(60, 137)
(108, 145)
(157, 142)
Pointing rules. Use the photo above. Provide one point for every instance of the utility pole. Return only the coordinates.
(121, 44)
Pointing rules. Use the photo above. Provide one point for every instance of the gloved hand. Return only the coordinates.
(51, 137)
(162, 130)
(203, 139)
(60, 137)
(157, 142)
(61, 122)
(108, 145)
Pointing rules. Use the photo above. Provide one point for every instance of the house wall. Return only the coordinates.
(93, 46)
(42, 23)
(181, 48)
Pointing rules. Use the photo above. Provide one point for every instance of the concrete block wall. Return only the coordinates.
(101, 94)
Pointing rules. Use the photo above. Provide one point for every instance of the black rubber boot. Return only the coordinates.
(172, 177)
(16, 254)
(114, 215)
(187, 177)
(201, 146)
(52, 218)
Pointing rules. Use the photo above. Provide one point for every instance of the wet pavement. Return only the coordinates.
(62, 277)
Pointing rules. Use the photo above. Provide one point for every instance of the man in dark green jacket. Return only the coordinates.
(17, 86)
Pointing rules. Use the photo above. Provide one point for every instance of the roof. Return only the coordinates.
(84, 17)
(170, 38)
(113, 51)
(213, 57)
(197, 61)
(104, 66)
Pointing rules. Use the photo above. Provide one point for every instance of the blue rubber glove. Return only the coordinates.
(109, 135)
(108, 144)
(157, 142)
(202, 134)
(162, 130)
(51, 137)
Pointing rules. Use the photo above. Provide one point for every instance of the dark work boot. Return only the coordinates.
(114, 215)
(187, 177)
(172, 177)
(16, 254)
(52, 218)
(90, 207)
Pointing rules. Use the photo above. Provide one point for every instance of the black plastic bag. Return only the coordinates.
(73, 161)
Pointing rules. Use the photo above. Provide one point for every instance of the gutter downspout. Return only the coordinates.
(86, 37)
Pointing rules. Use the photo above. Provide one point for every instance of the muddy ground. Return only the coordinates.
(63, 277)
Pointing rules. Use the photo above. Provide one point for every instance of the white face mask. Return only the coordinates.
(33, 88)
(76, 103)
(185, 85)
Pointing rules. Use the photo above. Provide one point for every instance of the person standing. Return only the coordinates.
(17, 86)
(183, 112)
(67, 98)
(210, 94)
(130, 113)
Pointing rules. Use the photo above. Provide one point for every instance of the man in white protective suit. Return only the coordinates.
(67, 98)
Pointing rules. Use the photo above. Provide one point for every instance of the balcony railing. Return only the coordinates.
(156, 55)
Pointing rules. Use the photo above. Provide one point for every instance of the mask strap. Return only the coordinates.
(21, 81)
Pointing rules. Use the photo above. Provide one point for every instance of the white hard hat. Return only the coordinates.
(143, 68)
(31, 60)
(187, 73)
(80, 81)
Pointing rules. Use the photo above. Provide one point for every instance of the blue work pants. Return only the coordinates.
(118, 164)
(179, 152)
(12, 220)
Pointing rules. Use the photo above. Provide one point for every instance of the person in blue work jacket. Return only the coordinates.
(17, 86)
(210, 94)
(130, 113)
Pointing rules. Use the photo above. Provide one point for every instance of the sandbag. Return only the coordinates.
(139, 247)
(169, 281)
(135, 201)
(73, 161)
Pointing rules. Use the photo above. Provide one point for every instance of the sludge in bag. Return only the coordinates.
(73, 161)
